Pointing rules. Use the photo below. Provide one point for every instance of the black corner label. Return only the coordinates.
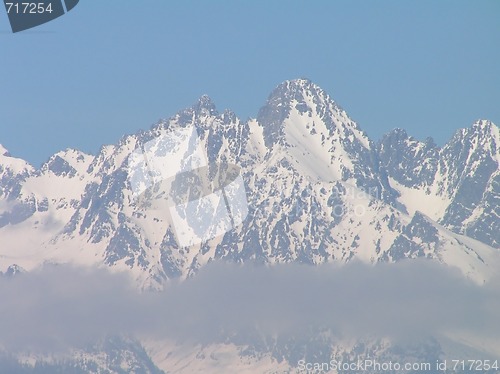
(26, 14)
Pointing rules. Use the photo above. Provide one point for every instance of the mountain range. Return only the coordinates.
(319, 191)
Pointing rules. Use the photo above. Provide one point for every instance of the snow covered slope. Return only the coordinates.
(457, 185)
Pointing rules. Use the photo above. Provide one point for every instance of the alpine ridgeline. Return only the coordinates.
(318, 190)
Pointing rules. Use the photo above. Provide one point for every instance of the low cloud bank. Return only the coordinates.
(61, 306)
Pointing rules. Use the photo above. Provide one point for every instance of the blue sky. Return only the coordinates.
(109, 68)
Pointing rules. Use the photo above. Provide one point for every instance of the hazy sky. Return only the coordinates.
(112, 67)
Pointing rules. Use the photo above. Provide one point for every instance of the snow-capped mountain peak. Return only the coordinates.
(205, 106)
(3, 151)
(69, 162)
(13, 172)
(299, 97)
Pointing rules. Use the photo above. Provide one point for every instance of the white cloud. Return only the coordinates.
(60, 306)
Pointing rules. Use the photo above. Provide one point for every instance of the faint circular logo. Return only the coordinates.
(171, 174)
